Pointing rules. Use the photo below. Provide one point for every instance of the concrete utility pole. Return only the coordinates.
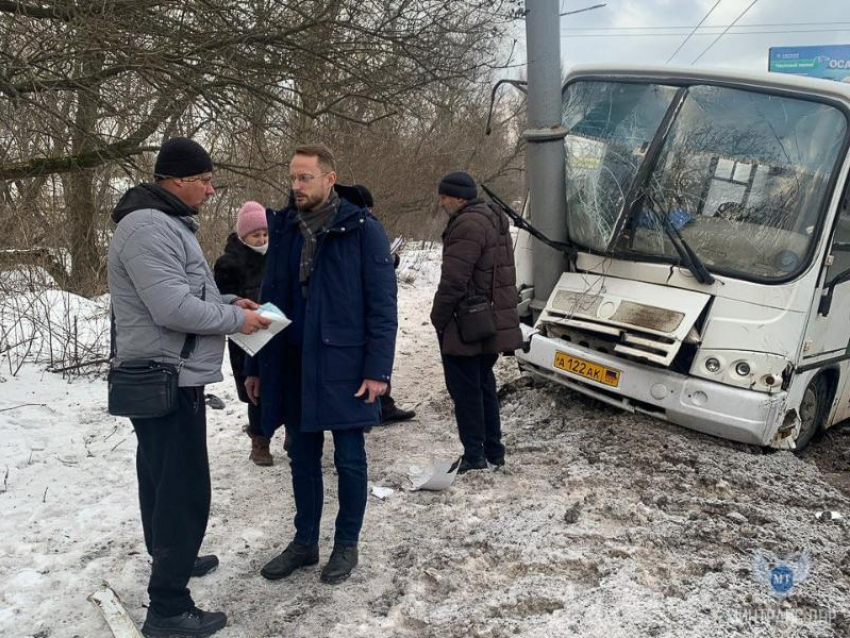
(545, 137)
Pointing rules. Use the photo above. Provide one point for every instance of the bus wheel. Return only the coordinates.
(812, 411)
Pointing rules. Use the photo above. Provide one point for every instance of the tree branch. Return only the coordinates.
(50, 12)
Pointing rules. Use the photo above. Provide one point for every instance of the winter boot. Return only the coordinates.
(497, 462)
(260, 451)
(204, 565)
(191, 624)
(395, 414)
(471, 464)
(343, 559)
(293, 557)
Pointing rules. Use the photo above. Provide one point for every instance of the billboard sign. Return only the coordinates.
(829, 62)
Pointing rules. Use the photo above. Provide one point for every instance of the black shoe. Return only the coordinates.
(204, 565)
(214, 402)
(395, 414)
(497, 462)
(191, 624)
(466, 465)
(343, 559)
(294, 556)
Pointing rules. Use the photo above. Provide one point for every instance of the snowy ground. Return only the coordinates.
(603, 524)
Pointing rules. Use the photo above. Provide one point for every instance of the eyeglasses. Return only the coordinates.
(304, 178)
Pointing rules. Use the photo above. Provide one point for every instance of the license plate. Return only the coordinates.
(587, 369)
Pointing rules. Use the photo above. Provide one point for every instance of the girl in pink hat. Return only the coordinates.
(239, 271)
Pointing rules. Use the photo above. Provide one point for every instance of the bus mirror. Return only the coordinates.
(825, 303)
(518, 84)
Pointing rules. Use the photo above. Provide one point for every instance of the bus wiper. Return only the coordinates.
(637, 189)
(687, 254)
(523, 224)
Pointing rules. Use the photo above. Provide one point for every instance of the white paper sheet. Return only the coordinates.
(382, 492)
(253, 343)
(437, 476)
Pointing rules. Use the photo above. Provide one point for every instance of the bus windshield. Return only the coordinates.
(740, 176)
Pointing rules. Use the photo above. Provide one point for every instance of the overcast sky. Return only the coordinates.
(615, 40)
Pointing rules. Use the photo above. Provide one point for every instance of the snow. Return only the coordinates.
(602, 524)
(420, 265)
(31, 278)
(52, 327)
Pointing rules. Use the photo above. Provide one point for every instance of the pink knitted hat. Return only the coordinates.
(252, 216)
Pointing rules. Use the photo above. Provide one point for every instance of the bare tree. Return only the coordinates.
(89, 89)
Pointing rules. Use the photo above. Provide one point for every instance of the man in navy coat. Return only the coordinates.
(330, 270)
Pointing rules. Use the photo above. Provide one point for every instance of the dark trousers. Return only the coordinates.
(254, 413)
(305, 456)
(174, 494)
(472, 386)
(387, 403)
(254, 428)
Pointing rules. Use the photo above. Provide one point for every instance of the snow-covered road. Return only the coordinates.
(602, 524)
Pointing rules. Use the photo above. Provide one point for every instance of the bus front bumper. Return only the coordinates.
(732, 413)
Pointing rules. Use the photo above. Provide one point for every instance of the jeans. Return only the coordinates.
(305, 456)
(472, 386)
(174, 494)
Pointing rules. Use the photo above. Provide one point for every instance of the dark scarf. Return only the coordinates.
(312, 224)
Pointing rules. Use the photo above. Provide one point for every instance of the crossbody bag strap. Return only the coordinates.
(470, 285)
(495, 260)
(113, 348)
(191, 339)
(495, 266)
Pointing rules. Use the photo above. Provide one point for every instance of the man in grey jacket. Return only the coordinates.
(163, 291)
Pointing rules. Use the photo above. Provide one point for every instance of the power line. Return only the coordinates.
(685, 41)
(679, 35)
(690, 26)
(569, 13)
(717, 39)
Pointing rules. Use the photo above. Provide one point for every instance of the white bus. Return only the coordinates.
(710, 284)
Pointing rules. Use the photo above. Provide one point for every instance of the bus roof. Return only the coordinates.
(829, 89)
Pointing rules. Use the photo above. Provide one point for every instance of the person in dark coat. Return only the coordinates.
(477, 247)
(239, 271)
(390, 412)
(330, 270)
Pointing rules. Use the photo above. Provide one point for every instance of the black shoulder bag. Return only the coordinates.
(143, 388)
(475, 315)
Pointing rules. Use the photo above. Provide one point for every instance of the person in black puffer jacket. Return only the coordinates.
(390, 412)
(239, 271)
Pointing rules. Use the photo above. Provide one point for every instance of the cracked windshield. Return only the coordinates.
(738, 177)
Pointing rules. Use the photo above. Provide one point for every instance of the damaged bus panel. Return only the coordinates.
(710, 278)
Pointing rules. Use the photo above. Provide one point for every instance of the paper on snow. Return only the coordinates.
(382, 492)
(437, 476)
(253, 343)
